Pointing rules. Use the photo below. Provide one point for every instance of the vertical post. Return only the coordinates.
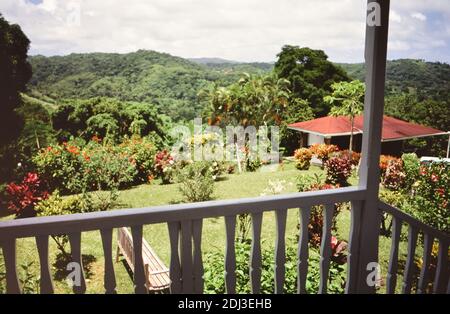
(377, 25)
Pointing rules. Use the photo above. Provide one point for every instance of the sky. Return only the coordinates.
(239, 30)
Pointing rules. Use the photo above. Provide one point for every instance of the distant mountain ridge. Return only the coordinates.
(172, 83)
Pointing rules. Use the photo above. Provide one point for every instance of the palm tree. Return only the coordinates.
(347, 100)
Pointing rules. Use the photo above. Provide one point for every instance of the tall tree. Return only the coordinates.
(15, 72)
(347, 99)
(310, 73)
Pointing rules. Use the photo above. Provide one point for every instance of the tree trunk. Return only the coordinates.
(350, 148)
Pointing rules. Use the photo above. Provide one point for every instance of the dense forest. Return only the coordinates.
(171, 83)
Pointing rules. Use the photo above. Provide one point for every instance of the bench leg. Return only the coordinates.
(117, 254)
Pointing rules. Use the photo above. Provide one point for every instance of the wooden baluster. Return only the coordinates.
(255, 255)
(46, 283)
(302, 264)
(353, 248)
(424, 273)
(140, 282)
(79, 284)
(230, 255)
(175, 267)
(109, 276)
(391, 277)
(408, 273)
(442, 276)
(187, 282)
(325, 247)
(9, 254)
(280, 249)
(198, 262)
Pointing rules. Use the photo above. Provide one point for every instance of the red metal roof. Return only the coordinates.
(393, 129)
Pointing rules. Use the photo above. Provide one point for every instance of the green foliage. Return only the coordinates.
(425, 111)
(310, 74)
(169, 82)
(432, 195)
(298, 110)
(56, 205)
(214, 271)
(14, 75)
(196, 182)
(347, 99)
(142, 153)
(411, 166)
(108, 118)
(74, 167)
(253, 100)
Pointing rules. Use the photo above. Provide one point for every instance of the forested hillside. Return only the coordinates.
(171, 83)
(428, 79)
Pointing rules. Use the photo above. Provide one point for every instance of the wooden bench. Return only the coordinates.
(156, 273)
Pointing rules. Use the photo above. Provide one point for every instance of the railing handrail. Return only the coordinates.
(414, 222)
(65, 224)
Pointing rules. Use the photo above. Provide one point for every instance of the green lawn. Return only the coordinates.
(213, 238)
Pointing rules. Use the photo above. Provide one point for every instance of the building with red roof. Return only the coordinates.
(336, 130)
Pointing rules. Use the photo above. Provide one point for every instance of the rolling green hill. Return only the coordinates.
(428, 79)
(172, 83)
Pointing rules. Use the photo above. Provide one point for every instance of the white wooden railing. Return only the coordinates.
(441, 282)
(185, 233)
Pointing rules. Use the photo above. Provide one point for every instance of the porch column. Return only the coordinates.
(375, 60)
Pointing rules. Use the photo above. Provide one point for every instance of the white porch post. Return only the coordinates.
(375, 61)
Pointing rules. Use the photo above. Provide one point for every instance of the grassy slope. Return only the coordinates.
(213, 238)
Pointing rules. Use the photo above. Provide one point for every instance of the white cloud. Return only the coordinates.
(245, 30)
(419, 16)
(395, 17)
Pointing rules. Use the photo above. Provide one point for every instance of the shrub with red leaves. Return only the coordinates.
(338, 170)
(24, 196)
(164, 166)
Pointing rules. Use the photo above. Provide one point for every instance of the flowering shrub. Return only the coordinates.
(59, 164)
(323, 151)
(74, 168)
(384, 162)
(353, 156)
(23, 197)
(338, 170)
(315, 225)
(432, 195)
(394, 176)
(164, 166)
(142, 152)
(303, 158)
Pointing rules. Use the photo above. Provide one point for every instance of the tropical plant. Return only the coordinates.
(347, 99)
(23, 197)
(303, 158)
(214, 271)
(411, 166)
(394, 177)
(196, 181)
(323, 151)
(56, 205)
(339, 170)
(164, 166)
